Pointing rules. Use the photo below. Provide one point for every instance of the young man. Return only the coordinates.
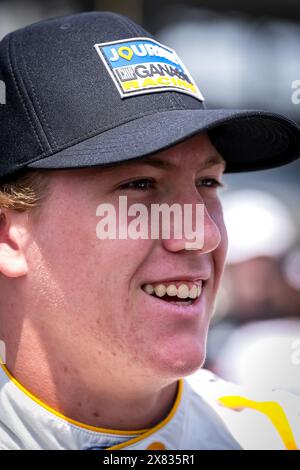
(101, 331)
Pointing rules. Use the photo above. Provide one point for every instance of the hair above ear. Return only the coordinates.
(24, 192)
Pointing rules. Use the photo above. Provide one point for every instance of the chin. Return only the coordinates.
(181, 361)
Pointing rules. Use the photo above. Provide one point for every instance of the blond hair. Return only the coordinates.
(24, 192)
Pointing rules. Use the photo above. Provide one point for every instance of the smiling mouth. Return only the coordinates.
(176, 292)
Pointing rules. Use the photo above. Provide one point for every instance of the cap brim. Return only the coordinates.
(248, 140)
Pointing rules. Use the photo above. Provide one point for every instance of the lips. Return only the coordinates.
(175, 291)
(182, 278)
(182, 309)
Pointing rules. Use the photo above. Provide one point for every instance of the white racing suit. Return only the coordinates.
(208, 413)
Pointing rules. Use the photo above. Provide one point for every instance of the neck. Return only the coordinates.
(119, 406)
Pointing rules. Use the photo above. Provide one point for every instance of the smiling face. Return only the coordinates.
(86, 297)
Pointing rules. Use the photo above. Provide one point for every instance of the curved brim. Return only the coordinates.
(248, 140)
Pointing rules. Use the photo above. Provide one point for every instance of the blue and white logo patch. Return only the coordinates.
(141, 65)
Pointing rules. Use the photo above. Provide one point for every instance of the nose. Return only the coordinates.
(204, 230)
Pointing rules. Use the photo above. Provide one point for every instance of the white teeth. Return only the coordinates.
(172, 290)
(160, 290)
(182, 292)
(194, 292)
(149, 289)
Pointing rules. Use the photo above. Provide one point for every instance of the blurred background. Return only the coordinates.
(243, 55)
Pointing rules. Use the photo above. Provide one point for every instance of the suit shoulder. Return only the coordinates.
(258, 419)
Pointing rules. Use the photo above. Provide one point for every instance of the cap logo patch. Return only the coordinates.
(141, 65)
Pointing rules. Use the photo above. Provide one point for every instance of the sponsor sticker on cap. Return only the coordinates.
(142, 65)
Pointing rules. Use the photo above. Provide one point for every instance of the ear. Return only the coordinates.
(12, 260)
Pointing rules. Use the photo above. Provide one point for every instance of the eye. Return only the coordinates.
(138, 185)
(210, 183)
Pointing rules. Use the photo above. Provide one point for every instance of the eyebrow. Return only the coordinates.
(157, 162)
(160, 163)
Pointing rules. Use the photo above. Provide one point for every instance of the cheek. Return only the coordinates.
(109, 277)
(223, 247)
(113, 314)
(92, 274)
(219, 254)
(218, 217)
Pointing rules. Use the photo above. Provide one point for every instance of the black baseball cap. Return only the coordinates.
(95, 88)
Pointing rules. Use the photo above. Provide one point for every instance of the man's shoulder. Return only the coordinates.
(257, 418)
